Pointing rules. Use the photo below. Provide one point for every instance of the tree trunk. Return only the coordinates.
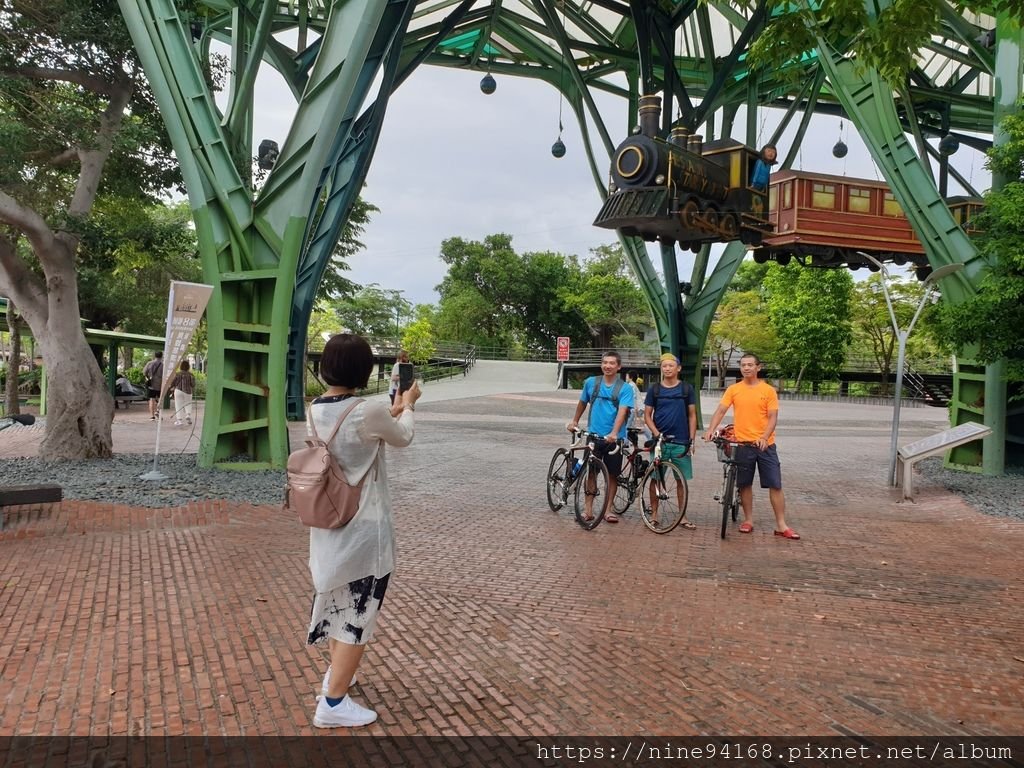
(14, 360)
(79, 409)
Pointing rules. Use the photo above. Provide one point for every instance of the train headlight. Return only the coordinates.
(659, 179)
(630, 162)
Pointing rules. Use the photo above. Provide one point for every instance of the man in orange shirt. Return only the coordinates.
(755, 411)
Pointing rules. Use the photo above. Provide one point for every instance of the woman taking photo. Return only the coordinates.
(351, 565)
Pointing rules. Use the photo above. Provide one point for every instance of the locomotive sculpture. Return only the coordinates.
(683, 190)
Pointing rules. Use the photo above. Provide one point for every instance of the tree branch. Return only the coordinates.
(88, 81)
(26, 221)
(21, 285)
(93, 160)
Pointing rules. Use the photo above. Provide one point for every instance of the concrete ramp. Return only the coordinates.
(493, 377)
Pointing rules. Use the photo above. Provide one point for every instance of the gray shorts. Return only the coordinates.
(767, 462)
(347, 614)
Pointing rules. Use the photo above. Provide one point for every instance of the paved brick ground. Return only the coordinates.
(505, 618)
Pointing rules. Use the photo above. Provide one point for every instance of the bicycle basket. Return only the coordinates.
(724, 451)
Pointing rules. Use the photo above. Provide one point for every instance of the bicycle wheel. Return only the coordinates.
(625, 489)
(593, 481)
(558, 479)
(728, 496)
(669, 487)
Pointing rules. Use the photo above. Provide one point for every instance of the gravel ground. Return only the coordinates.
(118, 480)
(998, 496)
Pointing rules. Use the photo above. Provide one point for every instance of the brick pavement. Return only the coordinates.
(506, 618)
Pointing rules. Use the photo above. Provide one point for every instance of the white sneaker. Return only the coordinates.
(177, 423)
(346, 714)
(327, 680)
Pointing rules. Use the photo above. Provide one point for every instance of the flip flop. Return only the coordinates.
(789, 533)
(687, 525)
(611, 518)
(749, 528)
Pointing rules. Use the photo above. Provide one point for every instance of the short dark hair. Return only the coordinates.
(158, 354)
(612, 353)
(751, 354)
(346, 361)
(184, 365)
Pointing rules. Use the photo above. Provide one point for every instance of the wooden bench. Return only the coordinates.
(15, 495)
(933, 445)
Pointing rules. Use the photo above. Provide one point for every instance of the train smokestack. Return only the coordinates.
(695, 144)
(679, 136)
(650, 115)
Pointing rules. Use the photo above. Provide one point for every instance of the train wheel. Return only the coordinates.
(783, 259)
(730, 226)
(711, 219)
(689, 213)
(760, 257)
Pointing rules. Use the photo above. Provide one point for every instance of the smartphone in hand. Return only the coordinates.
(406, 375)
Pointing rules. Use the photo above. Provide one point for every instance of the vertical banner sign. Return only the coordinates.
(185, 307)
(562, 347)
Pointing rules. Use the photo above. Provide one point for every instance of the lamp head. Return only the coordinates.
(943, 271)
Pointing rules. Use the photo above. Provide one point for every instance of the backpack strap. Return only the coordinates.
(312, 428)
(616, 390)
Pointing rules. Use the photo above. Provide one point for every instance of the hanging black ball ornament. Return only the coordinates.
(949, 144)
(558, 148)
(487, 84)
(840, 149)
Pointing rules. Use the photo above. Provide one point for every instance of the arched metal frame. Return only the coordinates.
(266, 252)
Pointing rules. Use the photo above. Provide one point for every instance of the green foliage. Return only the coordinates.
(418, 339)
(334, 284)
(609, 299)
(493, 296)
(886, 41)
(129, 253)
(992, 321)
(810, 312)
(370, 311)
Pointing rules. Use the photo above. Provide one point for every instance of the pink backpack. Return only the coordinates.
(316, 489)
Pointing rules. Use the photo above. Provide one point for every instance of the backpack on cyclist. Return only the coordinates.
(655, 389)
(616, 389)
(316, 489)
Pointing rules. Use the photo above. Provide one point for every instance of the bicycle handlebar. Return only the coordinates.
(592, 437)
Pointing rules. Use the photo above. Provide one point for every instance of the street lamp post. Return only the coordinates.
(901, 342)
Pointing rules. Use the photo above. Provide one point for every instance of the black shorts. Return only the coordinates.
(614, 462)
(767, 462)
(153, 394)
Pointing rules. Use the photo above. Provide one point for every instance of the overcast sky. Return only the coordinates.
(453, 162)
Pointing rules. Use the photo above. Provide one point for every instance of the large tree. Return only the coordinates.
(75, 120)
(505, 297)
(810, 312)
(608, 298)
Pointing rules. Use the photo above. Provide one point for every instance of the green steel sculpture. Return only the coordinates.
(265, 249)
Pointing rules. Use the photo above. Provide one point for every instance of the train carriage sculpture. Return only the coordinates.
(823, 220)
(683, 190)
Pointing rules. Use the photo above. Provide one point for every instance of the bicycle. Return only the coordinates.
(634, 464)
(584, 475)
(729, 495)
(665, 482)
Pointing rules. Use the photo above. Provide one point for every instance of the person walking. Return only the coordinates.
(755, 407)
(610, 403)
(403, 357)
(636, 420)
(351, 566)
(670, 408)
(183, 385)
(153, 372)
